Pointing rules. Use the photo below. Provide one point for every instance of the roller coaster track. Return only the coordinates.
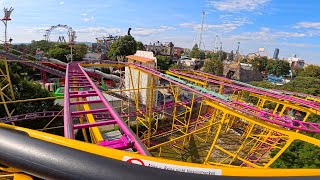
(291, 99)
(36, 65)
(237, 106)
(77, 78)
(51, 114)
(242, 84)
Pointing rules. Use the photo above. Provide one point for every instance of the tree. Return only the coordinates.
(43, 45)
(164, 62)
(202, 55)
(80, 50)
(197, 53)
(230, 57)
(213, 66)
(244, 60)
(299, 154)
(140, 46)
(27, 89)
(307, 85)
(260, 63)
(59, 52)
(278, 67)
(222, 55)
(123, 46)
(310, 71)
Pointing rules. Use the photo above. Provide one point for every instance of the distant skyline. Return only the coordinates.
(293, 26)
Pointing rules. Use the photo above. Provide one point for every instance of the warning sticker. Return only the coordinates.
(172, 167)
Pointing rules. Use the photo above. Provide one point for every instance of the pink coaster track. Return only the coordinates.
(51, 114)
(77, 78)
(244, 108)
(254, 90)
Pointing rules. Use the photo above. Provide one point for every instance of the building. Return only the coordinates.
(132, 78)
(276, 54)
(166, 49)
(157, 48)
(241, 71)
(177, 51)
(188, 62)
(296, 62)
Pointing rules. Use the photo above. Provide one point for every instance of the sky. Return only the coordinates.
(293, 26)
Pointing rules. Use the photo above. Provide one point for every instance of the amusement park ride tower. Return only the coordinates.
(4, 74)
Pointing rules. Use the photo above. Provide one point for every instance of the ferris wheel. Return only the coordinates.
(71, 33)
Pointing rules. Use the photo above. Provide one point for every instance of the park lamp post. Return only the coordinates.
(72, 37)
(6, 18)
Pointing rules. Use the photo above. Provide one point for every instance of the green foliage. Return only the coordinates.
(278, 67)
(223, 55)
(20, 47)
(123, 46)
(231, 56)
(140, 46)
(244, 60)
(164, 62)
(307, 85)
(260, 63)
(213, 66)
(310, 71)
(79, 51)
(43, 45)
(299, 154)
(202, 55)
(197, 53)
(264, 84)
(59, 52)
(27, 89)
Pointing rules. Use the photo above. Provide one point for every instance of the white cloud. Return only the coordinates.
(62, 2)
(150, 31)
(262, 35)
(300, 45)
(267, 34)
(290, 34)
(227, 25)
(98, 31)
(313, 25)
(37, 29)
(236, 5)
(84, 14)
(88, 19)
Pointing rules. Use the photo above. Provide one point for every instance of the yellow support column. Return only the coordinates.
(149, 116)
(189, 118)
(215, 139)
(279, 153)
(7, 81)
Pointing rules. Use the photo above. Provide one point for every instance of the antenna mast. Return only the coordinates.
(216, 45)
(203, 14)
(238, 49)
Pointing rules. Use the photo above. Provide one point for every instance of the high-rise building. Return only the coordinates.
(276, 53)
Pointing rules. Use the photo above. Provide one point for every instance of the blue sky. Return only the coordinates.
(293, 26)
